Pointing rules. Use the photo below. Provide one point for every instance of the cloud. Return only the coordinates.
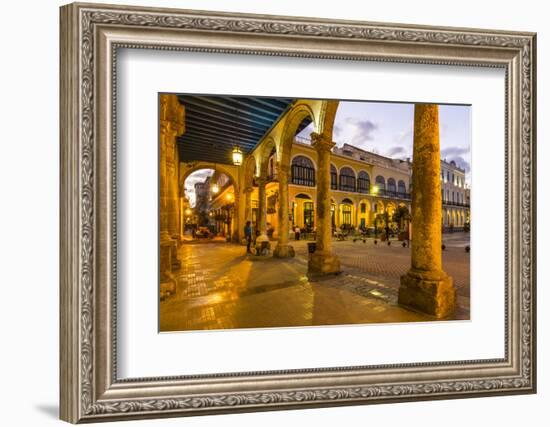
(362, 129)
(460, 162)
(458, 155)
(454, 151)
(336, 131)
(396, 151)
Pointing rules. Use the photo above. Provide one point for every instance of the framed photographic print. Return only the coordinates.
(267, 212)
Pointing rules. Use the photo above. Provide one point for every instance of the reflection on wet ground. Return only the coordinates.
(219, 287)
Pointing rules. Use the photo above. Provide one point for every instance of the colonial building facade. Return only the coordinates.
(362, 185)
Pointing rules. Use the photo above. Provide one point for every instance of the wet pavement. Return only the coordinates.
(220, 287)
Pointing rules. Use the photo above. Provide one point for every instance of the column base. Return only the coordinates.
(283, 251)
(429, 292)
(323, 263)
(167, 286)
(263, 246)
(176, 263)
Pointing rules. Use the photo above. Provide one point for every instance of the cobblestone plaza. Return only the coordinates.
(220, 287)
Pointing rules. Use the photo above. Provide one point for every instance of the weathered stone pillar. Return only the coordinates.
(262, 213)
(426, 287)
(172, 124)
(283, 249)
(173, 191)
(248, 204)
(322, 261)
(238, 226)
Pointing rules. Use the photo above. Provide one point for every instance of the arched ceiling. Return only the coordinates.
(214, 124)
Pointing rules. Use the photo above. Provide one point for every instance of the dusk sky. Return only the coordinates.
(387, 129)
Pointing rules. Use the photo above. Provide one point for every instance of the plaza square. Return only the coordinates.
(274, 212)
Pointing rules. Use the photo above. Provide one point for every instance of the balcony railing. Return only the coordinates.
(451, 203)
(363, 185)
(333, 181)
(347, 183)
(303, 175)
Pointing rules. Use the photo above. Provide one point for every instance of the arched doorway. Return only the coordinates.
(304, 211)
(364, 214)
(208, 203)
(347, 214)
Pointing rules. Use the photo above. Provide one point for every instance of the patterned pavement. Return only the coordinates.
(220, 287)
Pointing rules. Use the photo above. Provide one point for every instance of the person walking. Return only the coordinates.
(297, 233)
(248, 236)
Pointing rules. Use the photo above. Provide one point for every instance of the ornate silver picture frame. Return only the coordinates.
(91, 390)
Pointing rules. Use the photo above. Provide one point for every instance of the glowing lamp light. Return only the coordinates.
(187, 211)
(237, 156)
(375, 189)
(229, 196)
(215, 188)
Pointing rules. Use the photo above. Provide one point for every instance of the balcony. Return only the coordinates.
(303, 175)
(459, 204)
(333, 181)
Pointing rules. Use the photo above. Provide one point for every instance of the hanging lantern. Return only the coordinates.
(215, 188)
(237, 155)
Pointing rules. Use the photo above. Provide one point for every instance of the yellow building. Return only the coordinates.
(362, 184)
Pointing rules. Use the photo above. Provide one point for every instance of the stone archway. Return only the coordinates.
(187, 169)
(248, 187)
(232, 173)
(268, 146)
(292, 122)
(323, 261)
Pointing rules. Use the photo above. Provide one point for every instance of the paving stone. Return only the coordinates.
(219, 287)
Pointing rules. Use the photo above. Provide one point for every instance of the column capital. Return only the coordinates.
(172, 115)
(321, 142)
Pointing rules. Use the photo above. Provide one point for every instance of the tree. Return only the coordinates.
(401, 216)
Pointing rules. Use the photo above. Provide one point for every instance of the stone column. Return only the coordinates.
(172, 124)
(322, 260)
(248, 204)
(238, 226)
(173, 191)
(426, 287)
(283, 249)
(262, 213)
